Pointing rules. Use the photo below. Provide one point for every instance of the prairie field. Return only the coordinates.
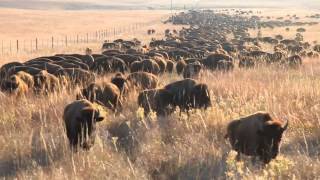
(27, 25)
(33, 142)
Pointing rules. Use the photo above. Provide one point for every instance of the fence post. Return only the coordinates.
(36, 44)
(87, 38)
(77, 39)
(66, 41)
(17, 45)
(10, 48)
(52, 41)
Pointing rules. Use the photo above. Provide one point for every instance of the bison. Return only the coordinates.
(80, 119)
(106, 94)
(143, 80)
(15, 85)
(120, 81)
(256, 135)
(192, 70)
(189, 94)
(45, 82)
(157, 100)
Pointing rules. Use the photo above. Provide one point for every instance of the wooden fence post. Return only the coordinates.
(10, 48)
(36, 44)
(52, 41)
(66, 41)
(17, 45)
(87, 38)
(77, 38)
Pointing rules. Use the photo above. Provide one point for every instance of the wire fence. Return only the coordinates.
(33, 45)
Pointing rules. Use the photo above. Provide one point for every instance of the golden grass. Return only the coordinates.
(33, 144)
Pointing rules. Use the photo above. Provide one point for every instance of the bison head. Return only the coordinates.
(200, 96)
(11, 84)
(86, 127)
(270, 134)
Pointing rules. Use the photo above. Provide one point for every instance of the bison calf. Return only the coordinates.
(256, 135)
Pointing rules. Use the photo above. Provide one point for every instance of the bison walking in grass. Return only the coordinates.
(256, 135)
(80, 119)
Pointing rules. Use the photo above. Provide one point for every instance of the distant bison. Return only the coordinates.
(147, 65)
(157, 100)
(218, 62)
(80, 119)
(256, 135)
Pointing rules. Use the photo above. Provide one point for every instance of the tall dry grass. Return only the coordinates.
(33, 144)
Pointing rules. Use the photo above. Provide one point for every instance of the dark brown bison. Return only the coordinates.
(80, 119)
(30, 70)
(256, 135)
(157, 100)
(188, 94)
(106, 94)
(104, 65)
(142, 80)
(5, 68)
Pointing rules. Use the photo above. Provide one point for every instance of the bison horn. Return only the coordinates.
(285, 126)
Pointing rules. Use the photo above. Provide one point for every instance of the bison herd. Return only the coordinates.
(209, 42)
